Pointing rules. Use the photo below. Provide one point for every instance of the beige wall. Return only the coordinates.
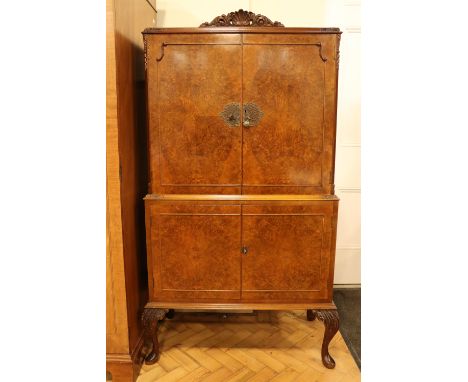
(346, 15)
(300, 13)
(191, 13)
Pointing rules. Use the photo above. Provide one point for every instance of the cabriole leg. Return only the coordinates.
(330, 319)
(150, 318)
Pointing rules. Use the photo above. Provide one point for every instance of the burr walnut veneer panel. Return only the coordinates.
(290, 150)
(289, 251)
(191, 80)
(195, 251)
(290, 78)
(246, 250)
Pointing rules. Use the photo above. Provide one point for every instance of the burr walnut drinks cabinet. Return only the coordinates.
(241, 211)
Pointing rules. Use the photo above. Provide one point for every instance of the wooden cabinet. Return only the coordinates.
(214, 251)
(241, 211)
(288, 252)
(195, 251)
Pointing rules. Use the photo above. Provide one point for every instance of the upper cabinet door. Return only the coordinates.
(194, 95)
(289, 85)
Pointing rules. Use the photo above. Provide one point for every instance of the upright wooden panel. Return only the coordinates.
(194, 251)
(126, 186)
(289, 251)
(290, 149)
(193, 150)
(116, 309)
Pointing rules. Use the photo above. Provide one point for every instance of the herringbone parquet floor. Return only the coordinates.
(265, 346)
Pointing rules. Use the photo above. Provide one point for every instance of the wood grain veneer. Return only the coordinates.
(241, 211)
(292, 79)
(126, 178)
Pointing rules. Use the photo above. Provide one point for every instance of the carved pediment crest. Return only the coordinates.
(242, 18)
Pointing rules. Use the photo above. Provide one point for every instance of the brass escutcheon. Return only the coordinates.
(252, 115)
(231, 114)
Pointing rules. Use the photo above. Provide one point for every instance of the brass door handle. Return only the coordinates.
(231, 114)
(252, 115)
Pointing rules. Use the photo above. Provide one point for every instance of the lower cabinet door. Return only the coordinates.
(194, 252)
(288, 252)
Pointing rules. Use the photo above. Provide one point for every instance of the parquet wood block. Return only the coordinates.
(203, 359)
(289, 375)
(278, 346)
(196, 375)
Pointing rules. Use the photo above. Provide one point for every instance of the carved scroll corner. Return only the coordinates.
(322, 56)
(161, 52)
(241, 18)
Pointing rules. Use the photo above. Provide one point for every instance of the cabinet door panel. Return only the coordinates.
(289, 251)
(289, 150)
(193, 149)
(195, 252)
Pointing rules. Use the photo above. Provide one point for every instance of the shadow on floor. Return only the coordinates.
(348, 302)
